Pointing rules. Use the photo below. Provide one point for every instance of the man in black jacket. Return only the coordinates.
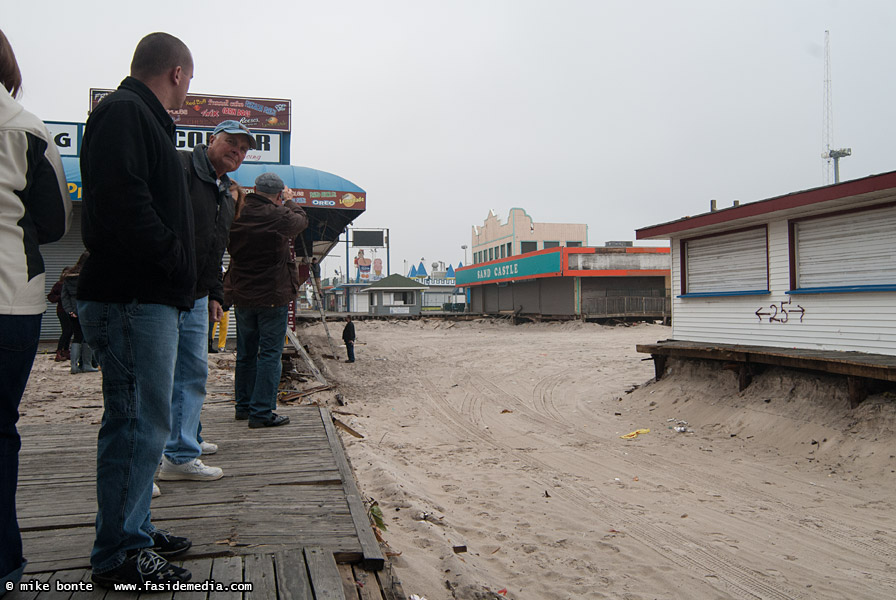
(348, 336)
(261, 282)
(213, 207)
(137, 223)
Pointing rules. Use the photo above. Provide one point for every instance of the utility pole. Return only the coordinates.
(831, 157)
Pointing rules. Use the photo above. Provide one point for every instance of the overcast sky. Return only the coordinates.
(619, 115)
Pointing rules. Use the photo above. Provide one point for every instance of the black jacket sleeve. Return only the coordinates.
(46, 201)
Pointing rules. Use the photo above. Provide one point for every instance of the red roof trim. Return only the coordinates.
(874, 183)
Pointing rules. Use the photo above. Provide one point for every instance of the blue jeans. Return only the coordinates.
(137, 347)
(350, 350)
(260, 333)
(18, 345)
(190, 375)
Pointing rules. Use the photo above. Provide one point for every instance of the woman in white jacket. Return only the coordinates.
(34, 209)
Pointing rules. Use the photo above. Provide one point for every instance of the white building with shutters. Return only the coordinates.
(814, 270)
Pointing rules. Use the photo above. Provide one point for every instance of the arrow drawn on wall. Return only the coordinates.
(780, 312)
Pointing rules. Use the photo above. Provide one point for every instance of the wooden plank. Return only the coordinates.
(325, 579)
(259, 571)
(57, 588)
(301, 349)
(367, 583)
(857, 364)
(389, 584)
(228, 570)
(97, 593)
(373, 556)
(659, 366)
(201, 571)
(24, 590)
(857, 390)
(846, 357)
(56, 550)
(349, 586)
(744, 376)
(292, 575)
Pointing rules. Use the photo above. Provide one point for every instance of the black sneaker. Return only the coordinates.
(241, 416)
(275, 421)
(139, 567)
(167, 545)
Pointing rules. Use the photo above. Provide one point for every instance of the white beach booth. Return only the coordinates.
(805, 280)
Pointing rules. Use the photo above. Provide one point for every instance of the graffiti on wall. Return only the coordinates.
(780, 312)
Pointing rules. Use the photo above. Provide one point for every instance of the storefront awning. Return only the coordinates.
(330, 201)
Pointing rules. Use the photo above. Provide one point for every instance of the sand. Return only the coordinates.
(494, 453)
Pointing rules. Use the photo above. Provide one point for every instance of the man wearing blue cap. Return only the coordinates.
(261, 282)
(206, 168)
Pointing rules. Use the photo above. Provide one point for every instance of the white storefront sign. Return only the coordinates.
(65, 136)
(268, 142)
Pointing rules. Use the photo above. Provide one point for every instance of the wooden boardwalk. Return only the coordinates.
(286, 511)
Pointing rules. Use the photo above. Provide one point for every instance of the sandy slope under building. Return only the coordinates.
(494, 453)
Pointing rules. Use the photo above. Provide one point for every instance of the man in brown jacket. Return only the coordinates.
(261, 282)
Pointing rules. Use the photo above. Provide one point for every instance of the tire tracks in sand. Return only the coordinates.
(686, 553)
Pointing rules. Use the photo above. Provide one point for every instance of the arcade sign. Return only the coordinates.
(207, 110)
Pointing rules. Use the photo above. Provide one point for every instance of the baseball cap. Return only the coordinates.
(269, 183)
(235, 127)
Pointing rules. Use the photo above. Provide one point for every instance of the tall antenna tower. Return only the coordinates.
(831, 166)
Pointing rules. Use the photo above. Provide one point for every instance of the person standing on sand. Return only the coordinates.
(348, 336)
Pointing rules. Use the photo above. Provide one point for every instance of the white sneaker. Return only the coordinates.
(192, 470)
(156, 492)
(208, 447)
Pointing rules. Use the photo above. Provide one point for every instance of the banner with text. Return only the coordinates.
(516, 268)
(207, 110)
(270, 144)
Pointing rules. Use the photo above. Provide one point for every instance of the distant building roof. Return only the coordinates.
(395, 282)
